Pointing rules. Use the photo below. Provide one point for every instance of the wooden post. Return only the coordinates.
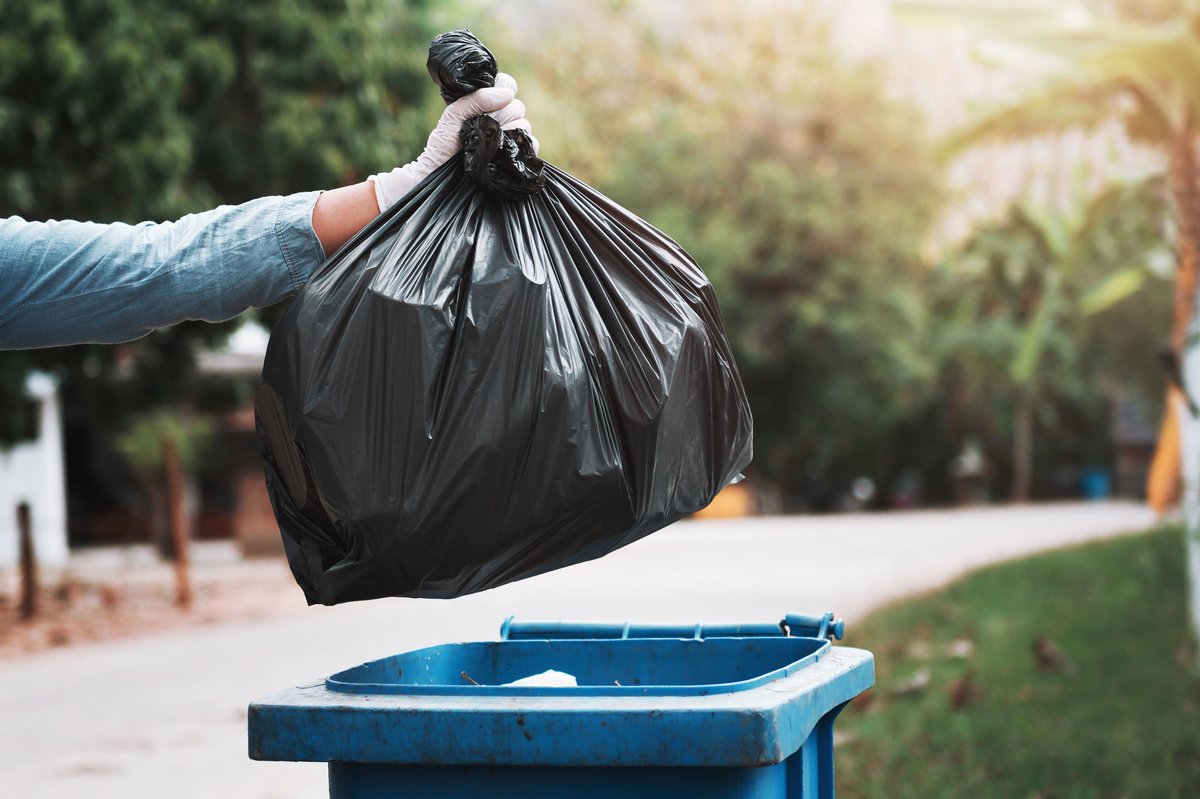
(179, 522)
(29, 572)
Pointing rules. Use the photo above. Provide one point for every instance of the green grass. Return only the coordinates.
(1122, 720)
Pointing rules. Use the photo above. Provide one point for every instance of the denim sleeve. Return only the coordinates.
(81, 282)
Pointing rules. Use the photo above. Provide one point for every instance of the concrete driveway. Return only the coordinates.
(165, 716)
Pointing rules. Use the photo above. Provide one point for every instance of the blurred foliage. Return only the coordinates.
(133, 109)
(801, 189)
(16, 415)
(806, 193)
(142, 444)
(1133, 63)
(1015, 326)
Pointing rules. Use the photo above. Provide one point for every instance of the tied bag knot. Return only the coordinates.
(459, 64)
(503, 161)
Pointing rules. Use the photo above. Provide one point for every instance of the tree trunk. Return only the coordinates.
(179, 522)
(1185, 192)
(158, 517)
(1022, 482)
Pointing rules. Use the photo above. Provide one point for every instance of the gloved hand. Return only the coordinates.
(499, 102)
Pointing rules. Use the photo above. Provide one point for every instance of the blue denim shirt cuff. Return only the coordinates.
(302, 252)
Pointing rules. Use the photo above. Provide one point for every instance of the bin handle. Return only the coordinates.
(793, 624)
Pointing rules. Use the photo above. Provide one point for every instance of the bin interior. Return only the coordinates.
(648, 666)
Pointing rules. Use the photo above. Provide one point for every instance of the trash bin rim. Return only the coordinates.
(756, 727)
(338, 682)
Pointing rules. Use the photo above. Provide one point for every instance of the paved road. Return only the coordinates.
(165, 716)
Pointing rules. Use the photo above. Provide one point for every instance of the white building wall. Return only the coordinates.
(33, 472)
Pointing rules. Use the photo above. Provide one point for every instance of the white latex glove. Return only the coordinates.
(499, 102)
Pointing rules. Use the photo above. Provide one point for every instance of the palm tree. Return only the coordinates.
(1143, 71)
(1059, 245)
(1063, 237)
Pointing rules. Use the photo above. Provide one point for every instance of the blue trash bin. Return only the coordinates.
(659, 711)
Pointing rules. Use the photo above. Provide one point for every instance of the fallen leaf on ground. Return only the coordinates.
(1049, 656)
(963, 691)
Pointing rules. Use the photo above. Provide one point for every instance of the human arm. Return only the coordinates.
(340, 213)
(64, 282)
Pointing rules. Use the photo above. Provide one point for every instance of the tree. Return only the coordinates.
(134, 110)
(165, 448)
(1139, 64)
(1024, 310)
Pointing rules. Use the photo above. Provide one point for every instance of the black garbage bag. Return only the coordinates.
(504, 374)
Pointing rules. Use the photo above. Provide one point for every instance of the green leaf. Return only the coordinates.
(1098, 212)
(1059, 106)
(1112, 290)
(1052, 228)
(1093, 68)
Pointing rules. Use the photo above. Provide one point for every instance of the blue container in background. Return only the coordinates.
(659, 711)
(1095, 483)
